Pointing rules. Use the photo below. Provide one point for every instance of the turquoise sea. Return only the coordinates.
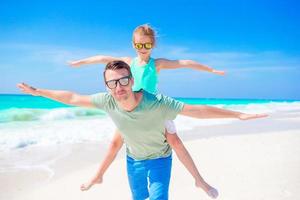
(30, 108)
(27, 120)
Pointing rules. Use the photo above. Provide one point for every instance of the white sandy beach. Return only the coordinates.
(252, 160)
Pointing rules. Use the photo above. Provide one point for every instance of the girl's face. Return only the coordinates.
(144, 40)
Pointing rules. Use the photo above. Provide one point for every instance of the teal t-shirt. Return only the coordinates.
(145, 77)
(143, 128)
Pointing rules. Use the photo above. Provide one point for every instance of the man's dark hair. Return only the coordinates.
(115, 65)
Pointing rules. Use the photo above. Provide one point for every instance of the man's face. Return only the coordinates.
(121, 92)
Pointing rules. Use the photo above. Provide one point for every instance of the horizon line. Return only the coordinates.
(203, 98)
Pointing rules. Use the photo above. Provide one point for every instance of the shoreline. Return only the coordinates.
(246, 167)
(51, 163)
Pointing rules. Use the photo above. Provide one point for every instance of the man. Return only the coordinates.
(140, 116)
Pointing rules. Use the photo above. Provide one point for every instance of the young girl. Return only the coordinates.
(145, 70)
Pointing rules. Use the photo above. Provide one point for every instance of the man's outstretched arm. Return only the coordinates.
(209, 112)
(66, 97)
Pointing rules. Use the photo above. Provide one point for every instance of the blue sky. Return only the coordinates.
(256, 42)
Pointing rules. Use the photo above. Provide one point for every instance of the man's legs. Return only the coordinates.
(159, 178)
(137, 177)
(156, 172)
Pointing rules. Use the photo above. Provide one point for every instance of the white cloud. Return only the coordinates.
(237, 61)
(51, 54)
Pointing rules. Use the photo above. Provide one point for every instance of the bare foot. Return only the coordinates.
(210, 191)
(213, 193)
(87, 186)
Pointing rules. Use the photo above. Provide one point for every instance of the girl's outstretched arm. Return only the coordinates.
(162, 63)
(99, 59)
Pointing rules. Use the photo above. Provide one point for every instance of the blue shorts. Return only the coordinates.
(149, 178)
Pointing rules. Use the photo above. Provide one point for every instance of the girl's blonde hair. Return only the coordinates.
(146, 30)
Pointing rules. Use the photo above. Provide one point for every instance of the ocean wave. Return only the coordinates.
(30, 127)
(270, 107)
(26, 114)
(19, 135)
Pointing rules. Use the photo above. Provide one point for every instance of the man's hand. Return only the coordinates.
(244, 116)
(28, 89)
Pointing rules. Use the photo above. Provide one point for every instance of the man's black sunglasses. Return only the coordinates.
(124, 81)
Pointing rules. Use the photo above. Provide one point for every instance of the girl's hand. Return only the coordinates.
(74, 63)
(218, 72)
